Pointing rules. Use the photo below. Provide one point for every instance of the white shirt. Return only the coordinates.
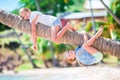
(44, 19)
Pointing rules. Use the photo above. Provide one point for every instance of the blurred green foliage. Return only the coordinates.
(106, 32)
(3, 27)
(115, 27)
(47, 6)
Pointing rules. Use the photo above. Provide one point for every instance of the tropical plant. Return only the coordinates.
(47, 6)
(113, 18)
(3, 27)
(106, 32)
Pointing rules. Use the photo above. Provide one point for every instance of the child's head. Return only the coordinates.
(70, 57)
(25, 13)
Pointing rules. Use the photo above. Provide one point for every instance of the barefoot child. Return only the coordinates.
(37, 17)
(86, 54)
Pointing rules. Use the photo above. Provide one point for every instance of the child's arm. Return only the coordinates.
(33, 25)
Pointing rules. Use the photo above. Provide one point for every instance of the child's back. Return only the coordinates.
(42, 18)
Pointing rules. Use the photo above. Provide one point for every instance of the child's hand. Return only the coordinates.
(35, 47)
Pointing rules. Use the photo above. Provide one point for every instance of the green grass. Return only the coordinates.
(25, 66)
(110, 59)
(28, 66)
(38, 62)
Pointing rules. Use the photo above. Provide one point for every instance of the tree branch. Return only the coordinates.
(9, 35)
(111, 13)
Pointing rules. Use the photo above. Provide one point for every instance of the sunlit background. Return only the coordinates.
(17, 54)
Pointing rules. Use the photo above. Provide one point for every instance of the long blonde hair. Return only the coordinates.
(24, 9)
(70, 61)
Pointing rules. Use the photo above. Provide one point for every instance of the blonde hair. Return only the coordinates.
(24, 10)
(70, 61)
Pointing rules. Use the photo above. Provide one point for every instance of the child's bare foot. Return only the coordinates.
(98, 34)
(68, 25)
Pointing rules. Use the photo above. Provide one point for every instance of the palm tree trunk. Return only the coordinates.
(73, 38)
(111, 13)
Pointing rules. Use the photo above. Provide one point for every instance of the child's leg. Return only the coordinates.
(71, 27)
(90, 49)
(57, 34)
(88, 44)
(54, 31)
(91, 41)
(34, 37)
(85, 37)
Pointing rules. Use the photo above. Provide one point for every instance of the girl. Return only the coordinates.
(37, 17)
(86, 54)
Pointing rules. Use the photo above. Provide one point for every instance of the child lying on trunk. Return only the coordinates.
(57, 30)
(86, 54)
